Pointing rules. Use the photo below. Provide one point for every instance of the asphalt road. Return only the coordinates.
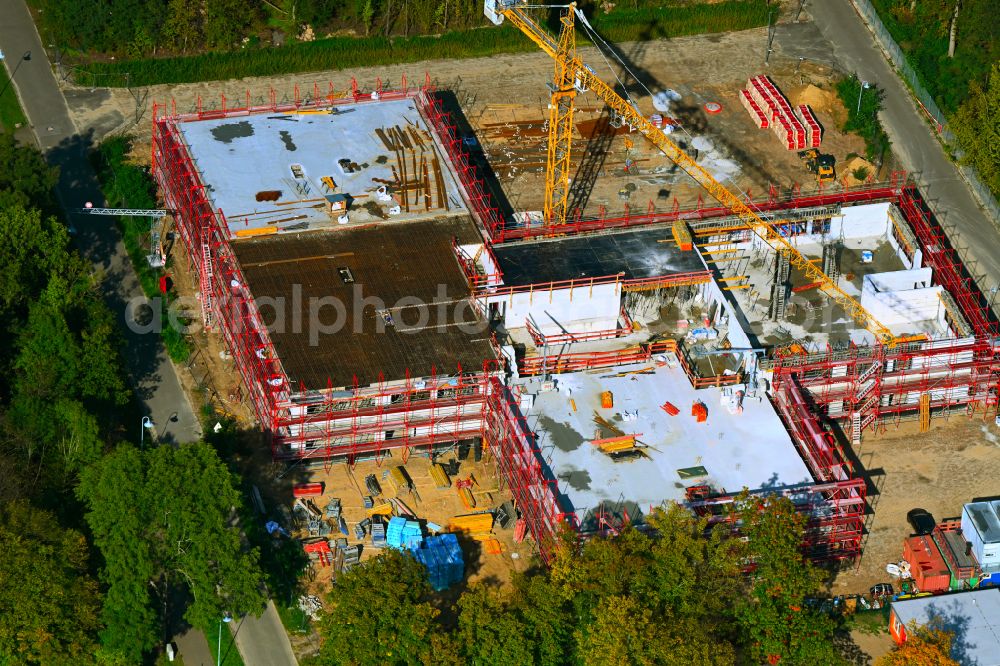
(912, 139)
(262, 641)
(150, 370)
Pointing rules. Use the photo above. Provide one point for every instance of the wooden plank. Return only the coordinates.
(426, 183)
(259, 231)
(735, 277)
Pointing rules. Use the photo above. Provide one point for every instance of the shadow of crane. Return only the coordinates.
(602, 135)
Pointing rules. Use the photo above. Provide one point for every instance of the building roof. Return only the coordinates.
(292, 153)
(730, 451)
(974, 618)
(637, 254)
(396, 289)
(986, 519)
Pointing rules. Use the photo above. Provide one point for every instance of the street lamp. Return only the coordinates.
(147, 424)
(227, 618)
(25, 56)
(864, 86)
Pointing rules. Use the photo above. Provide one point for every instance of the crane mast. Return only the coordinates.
(572, 75)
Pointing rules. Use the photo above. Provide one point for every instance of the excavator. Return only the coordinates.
(571, 77)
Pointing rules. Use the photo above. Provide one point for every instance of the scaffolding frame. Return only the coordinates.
(433, 413)
(870, 386)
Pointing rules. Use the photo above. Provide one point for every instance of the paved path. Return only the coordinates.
(193, 648)
(262, 641)
(151, 372)
(912, 139)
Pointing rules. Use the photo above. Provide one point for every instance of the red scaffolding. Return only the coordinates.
(865, 385)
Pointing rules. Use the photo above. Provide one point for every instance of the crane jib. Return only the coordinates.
(570, 67)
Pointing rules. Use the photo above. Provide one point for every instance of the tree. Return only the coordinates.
(163, 519)
(977, 127)
(25, 178)
(925, 646)
(773, 617)
(183, 27)
(49, 605)
(486, 625)
(32, 248)
(67, 370)
(378, 613)
(228, 21)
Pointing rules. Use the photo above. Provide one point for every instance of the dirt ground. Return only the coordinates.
(938, 471)
(504, 98)
(429, 504)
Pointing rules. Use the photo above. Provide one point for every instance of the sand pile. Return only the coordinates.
(847, 169)
(818, 99)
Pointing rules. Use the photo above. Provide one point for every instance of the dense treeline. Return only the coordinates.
(97, 538)
(951, 43)
(137, 28)
(374, 47)
(954, 45)
(679, 597)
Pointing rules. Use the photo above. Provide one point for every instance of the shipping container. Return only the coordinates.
(930, 573)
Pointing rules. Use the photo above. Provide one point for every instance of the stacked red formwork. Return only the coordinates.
(814, 133)
(754, 110)
(776, 109)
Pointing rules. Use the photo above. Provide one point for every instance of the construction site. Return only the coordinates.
(525, 320)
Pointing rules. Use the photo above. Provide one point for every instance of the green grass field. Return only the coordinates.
(11, 114)
(230, 655)
(339, 53)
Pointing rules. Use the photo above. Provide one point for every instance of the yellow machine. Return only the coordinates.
(572, 76)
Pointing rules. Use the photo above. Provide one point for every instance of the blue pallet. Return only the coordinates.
(442, 556)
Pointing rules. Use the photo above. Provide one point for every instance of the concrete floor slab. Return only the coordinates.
(751, 449)
(291, 153)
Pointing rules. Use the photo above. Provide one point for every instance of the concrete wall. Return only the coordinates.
(904, 301)
(918, 278)
(862, 221)
(578, 310)
(483, 258)
(904, 311)
(737, 337)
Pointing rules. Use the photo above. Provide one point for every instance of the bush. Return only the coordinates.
(863, 119)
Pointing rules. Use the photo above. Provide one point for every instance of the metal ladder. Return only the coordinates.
(206, 284)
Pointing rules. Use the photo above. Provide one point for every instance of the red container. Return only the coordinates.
(307, 490)
(929, 570)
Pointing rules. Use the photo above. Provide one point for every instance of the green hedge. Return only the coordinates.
(351, 52)
(864, 121)
(127, 185)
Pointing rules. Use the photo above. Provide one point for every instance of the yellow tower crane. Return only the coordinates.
(572, 76)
